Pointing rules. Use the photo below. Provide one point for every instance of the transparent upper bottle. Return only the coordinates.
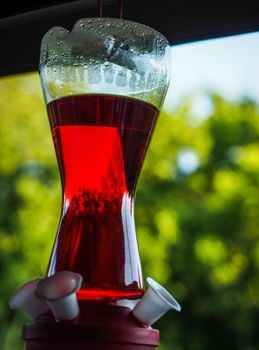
(104, 84)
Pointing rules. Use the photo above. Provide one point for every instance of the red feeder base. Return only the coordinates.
(100, 326)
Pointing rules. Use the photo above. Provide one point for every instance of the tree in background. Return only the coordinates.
(197, 215)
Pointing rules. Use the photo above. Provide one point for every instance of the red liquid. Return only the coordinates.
(100, 142)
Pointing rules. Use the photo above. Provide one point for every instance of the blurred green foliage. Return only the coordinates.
(197, 222)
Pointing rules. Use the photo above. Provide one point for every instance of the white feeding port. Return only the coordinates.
(59, 291)
(154, 304)
(26, 300)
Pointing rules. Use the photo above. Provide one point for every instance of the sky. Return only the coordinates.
(228, 65)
